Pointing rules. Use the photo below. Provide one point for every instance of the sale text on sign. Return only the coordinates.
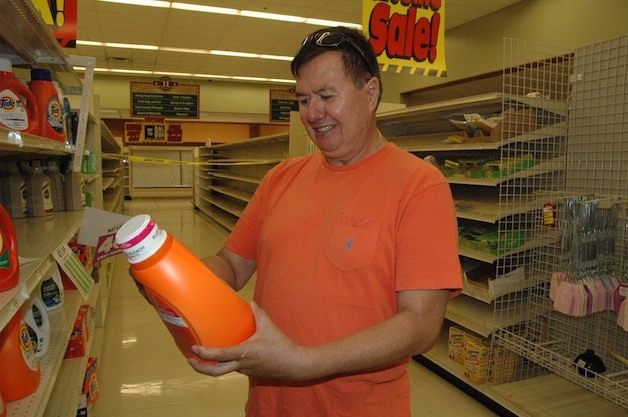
(408, 35)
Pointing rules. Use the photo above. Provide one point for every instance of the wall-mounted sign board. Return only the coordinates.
(165, 98)
(282, 102)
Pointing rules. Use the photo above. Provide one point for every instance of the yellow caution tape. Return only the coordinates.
(230, 162)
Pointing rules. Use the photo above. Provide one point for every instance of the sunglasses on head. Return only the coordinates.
(332, 39)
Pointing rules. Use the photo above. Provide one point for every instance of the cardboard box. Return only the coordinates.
(77, 346)
(503, 365)
(476, 359)
(90, 389)
(455, 346)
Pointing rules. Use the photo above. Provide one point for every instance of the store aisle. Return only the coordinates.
(142, 373)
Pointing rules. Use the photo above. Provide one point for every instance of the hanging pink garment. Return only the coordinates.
(619, 295)
(564, 298)
(557, 278)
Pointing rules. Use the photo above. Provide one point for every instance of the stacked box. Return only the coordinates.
(477, 359)
(503, 364)
(77, 345)
(455, 347)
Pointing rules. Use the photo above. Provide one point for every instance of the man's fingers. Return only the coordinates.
(220, 368)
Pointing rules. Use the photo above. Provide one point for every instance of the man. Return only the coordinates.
(355, 249)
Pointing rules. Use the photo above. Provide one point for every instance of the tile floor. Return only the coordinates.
(142, 374)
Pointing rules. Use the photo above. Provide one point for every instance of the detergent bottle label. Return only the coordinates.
(27, 348)
(182, 333)
(23, 198)
(12, 112)
(47, 194)
(55, 114)
(5, 260)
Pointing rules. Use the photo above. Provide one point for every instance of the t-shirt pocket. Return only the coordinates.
(353, 241)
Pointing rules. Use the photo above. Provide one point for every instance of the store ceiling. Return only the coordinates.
(164, 27)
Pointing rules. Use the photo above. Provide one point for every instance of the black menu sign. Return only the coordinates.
(165, 98)
(282, 102)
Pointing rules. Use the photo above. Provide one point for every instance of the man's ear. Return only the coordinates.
(372, 88)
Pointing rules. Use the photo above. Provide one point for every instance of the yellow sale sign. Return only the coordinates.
(408, 35)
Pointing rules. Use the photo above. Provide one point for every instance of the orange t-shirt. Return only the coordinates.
(333, 245)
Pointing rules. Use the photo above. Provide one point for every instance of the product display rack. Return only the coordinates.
(596, 179)
(224, 185)
(497, 305)
(112, 171)
(28, 43)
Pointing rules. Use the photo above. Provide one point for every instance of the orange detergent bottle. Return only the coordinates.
(19, 369)
(18, 107)
(9, 263)
(197, 307)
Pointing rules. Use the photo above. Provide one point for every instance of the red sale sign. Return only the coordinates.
(408, 35)
(62, 17)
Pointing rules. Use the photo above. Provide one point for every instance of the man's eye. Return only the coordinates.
(304, 101)
(326, 98)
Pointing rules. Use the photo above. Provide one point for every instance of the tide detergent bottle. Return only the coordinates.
(9, 263)
(18, 108)
(197, 307)
(19, 368)
(51, 122)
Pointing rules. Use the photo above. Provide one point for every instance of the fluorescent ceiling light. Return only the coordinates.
(130, 71)
(276, 57)
(234, 12)
(235, 54)
(272, 16)
(185, 50)
(223, 77)
(148, 3)
(174, 74)
(205, 9)
(238, 77)
(131, 46)
(89, 43)
(184, 74)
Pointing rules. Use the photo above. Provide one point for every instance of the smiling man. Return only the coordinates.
(355, 248)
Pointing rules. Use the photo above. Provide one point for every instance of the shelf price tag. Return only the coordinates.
(72, 266)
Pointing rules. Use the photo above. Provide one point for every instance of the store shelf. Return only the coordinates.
(66, 394)
(224, 219)
(544, 167)
(436, 142)
(262, 140)
(478, 316)
(18, 142)
(27, 41)
(61, 320)
(235, 177)
(225, 204)
(37, 238)
(545, 395)
(241, 195)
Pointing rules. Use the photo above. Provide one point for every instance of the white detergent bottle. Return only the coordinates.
(14, 197)
(39, 192)
(38, 325)
(56, 184)
(51, 290)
